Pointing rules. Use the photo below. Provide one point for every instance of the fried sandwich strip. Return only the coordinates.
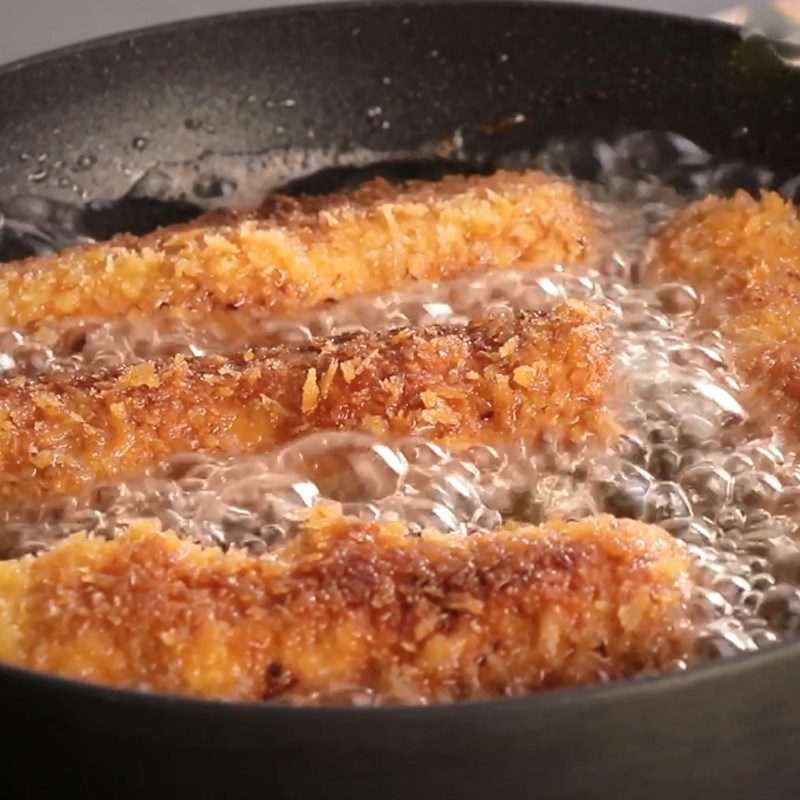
(352, 607)
(297, 253)
(524, 376)
(743, 253)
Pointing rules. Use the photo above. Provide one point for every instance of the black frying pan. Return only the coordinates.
(725, 730)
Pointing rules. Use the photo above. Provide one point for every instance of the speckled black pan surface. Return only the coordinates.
(729, 730)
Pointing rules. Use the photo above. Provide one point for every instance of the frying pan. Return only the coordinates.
(505, 76)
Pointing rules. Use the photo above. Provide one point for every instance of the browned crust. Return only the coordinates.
(296, 253)
(350, 607)
(523, 376)
(743, 253)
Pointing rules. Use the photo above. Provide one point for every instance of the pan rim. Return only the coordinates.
(322, 7)
(11, 675)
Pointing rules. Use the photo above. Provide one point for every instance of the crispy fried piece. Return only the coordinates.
(528, 375)
(295, 253)
(744, 255)
(744, 252)
(351, 606)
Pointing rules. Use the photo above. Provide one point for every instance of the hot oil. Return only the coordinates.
(689, 457)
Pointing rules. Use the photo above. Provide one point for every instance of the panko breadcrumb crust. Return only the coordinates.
(350, 608)
(743, 253)
(295, 253)
(517, 377)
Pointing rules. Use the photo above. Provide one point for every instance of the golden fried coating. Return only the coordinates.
(523, 376)
(350, 607)
(296, 253)
(744, 255)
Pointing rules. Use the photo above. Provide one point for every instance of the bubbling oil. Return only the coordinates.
(688, 457)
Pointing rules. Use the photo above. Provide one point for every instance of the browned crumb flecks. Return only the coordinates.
(295, 253)
(746, 251)
(350, 608)
(523, 376)
(744, 254)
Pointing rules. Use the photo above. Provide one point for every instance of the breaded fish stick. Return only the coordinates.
(744, 255)
(528, 375)
(296, 253)
(350, 607)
